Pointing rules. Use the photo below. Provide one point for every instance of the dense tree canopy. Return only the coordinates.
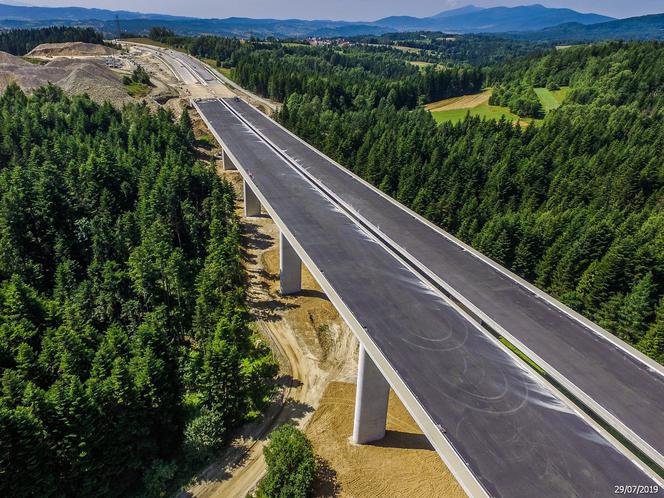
(123, 334)
(475, 49)
(340, 78)
(210, 47)
(291, 465)
(339, 75)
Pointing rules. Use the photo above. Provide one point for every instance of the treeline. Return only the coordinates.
(476, 50)
(521, 99)
(22, 41)
(350, 78)
(125, 350)
(612, 73)
(210, 47)
(574, 204)
(340, 75)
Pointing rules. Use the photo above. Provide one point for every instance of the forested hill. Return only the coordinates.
(574, 204)
(22, 41)
(125, 352)
(614, 73)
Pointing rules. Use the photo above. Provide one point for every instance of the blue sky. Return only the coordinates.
(346, 9)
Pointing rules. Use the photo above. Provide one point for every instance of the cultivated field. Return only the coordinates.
(457, 108)
(483, 110)
(420, 64)
(410, 50)
(463, 102)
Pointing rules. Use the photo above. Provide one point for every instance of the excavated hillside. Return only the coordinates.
(73, 76)
(70, 49)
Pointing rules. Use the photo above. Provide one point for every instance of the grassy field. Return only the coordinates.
(560, 94)
(410, 50)
(551, 99)
(32, 60)
(483, 110)
(137, 90)
(420, 64)
(548, 100)
(226, 71)
(456, 109)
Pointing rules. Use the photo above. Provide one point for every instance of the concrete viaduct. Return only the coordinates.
(427, 310)
(501, 429)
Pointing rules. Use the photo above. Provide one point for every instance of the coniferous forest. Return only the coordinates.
(125, 350)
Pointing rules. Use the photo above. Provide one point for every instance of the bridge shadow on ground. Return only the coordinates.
(312, 293)
(253, 239)
(404, 440)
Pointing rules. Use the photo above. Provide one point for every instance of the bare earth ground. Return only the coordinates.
(70, 49)
(72, 75)
(403, 464)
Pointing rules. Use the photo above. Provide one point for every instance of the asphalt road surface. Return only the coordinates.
(516, 436)
(630, 390)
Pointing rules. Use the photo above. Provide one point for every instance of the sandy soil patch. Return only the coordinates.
(464, 102)
(70, 49)
(403, 464)
(6, 58)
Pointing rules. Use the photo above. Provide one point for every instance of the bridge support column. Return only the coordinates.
(226, 162)
(252, 205)
(290, 268)
(371, 399)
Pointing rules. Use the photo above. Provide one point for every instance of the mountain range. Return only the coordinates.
(528, 21)
(30, 14)
(473, 19)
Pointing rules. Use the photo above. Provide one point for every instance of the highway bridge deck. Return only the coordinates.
(514, 436)
(618, 383)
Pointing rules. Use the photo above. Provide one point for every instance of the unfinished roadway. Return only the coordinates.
(611, 378)
(502, 430)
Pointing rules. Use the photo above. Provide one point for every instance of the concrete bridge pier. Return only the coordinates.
(226, 162)
(370, 401)
(290, 268)
(252, 205)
